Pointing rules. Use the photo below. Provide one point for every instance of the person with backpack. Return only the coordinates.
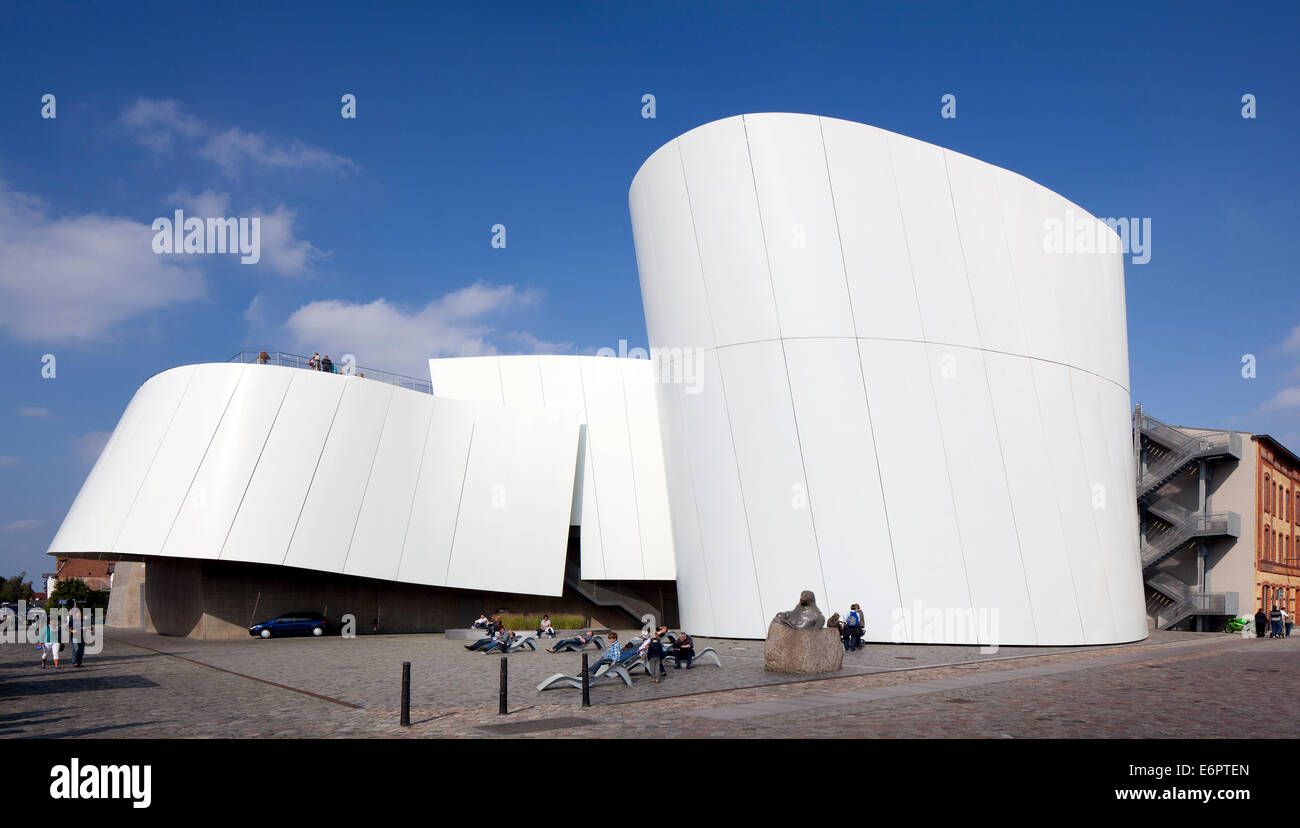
(853, 624)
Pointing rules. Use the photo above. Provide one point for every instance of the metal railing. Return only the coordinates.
(1181, 449)
(1164, 544)
(1210, 603)
(287, 360)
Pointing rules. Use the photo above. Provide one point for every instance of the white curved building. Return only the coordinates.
(872, 379)
(905, 400)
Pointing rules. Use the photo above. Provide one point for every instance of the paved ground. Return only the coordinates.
(1174, 684)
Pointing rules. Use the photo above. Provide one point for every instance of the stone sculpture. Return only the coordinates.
(805, 615)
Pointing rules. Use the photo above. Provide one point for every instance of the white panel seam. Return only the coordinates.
(170, 420)
(722, 383)
(460, 499)
(600, 531)
(785, 361)
(199, 466)
(306, 495)
(988, 389)
(419, 474)
(862, 374)
(361, 504)
(631, 462)
(235, 517)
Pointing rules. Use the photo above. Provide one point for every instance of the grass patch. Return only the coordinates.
(523, 623)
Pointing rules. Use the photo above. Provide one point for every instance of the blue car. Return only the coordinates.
(292, 623)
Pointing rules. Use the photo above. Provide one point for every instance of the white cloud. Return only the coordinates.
(23, 525)
(33, 411)
(534, 345)
(90, 445)
(255, 313)
(155, 124)
(160, 125)
(1292, 343)
(280, 250)
(73, 278)
(230, 148)
(1286, 398)
(387, 337)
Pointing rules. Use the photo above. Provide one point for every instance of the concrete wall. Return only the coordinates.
(216, 599)
(125, 605)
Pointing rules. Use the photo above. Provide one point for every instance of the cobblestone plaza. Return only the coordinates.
(148, 686)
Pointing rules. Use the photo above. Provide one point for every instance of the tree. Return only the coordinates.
(69, 590)
(15, 589)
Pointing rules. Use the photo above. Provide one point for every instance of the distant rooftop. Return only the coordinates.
(298, 361)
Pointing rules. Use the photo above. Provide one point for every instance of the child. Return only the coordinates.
(655, 660)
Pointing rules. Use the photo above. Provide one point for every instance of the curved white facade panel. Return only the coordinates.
(905, 400)
(274, 465)
(621, 500)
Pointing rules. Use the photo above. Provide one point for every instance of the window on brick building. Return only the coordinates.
(1268, 494)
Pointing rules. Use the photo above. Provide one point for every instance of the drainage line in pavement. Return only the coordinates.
(241, 675)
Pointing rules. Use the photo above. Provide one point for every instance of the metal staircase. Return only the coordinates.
(1171, 451)
(603, 596)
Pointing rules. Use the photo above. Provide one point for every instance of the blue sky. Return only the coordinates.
(376, 230)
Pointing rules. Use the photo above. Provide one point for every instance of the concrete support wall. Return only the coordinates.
(216, 599)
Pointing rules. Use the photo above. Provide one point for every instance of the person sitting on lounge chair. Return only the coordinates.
(500, 640)
(612, 655)
(581, 641)
(684, 649)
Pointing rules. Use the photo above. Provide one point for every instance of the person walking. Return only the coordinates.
(1275, 622)
(49, 644)
(1260, 620)
(78, 635)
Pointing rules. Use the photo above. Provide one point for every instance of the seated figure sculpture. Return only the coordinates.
(805, 616)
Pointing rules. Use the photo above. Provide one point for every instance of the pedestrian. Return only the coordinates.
(654, 664)
(1260, 620)
(49, 644)
(314, 362)
(263, 358)
(1286, 623)
(1275, 622)
(78, 635)
(327, 365)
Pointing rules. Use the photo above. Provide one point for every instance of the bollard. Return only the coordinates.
(406, 694)
(501, 708)
(586, 683)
